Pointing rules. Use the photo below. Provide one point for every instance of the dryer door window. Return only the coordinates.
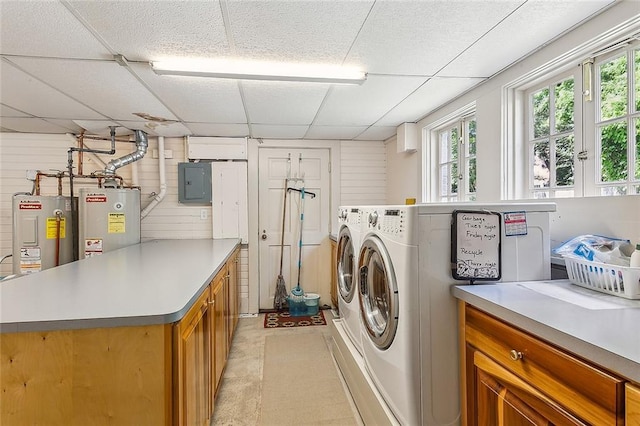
(346, 265)
(378, 292)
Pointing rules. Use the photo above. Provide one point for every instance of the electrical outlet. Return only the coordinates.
(203, 214)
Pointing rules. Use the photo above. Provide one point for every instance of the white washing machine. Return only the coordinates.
(409, 318)
(348, 247)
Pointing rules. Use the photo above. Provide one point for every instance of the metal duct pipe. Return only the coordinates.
(141, 144)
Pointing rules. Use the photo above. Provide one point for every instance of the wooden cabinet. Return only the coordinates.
(334, 272)
(632, 405)
(193, 364)
(513, 378)
(220, 333)
(234, 300)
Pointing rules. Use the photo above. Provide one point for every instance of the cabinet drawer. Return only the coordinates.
(585, 390)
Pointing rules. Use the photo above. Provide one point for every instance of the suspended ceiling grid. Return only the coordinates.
(58, 73)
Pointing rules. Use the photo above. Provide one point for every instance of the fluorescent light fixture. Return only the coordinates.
(248, 70)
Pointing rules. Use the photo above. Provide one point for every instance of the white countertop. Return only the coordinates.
(601, 328)
(154, 282)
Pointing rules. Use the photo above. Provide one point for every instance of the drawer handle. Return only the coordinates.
(515, 355)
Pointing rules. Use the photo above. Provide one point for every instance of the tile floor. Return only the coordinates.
(247, 393)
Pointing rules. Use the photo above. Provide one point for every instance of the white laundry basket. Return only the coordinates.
(611, 279)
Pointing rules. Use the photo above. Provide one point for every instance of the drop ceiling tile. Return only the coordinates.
(151, 128)
(297, 31)
(377, 133)
(351, 105)
(212, 129)
(6, 111)
(278, 132)
(45, 28)
(31, 125)
(196, 99)
(105, 86)
(491, 54)
(152, 30)
(420, 37)
(66, 124)
(427, 98)
(22, 92)
(284, 103)
(334, 132)
(98, 126)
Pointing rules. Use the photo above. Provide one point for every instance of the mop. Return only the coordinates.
(296, 299)
(280, 298)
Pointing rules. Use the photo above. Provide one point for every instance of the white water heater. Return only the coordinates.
(108, 219)
(42, 232)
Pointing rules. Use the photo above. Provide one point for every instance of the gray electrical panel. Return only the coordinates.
(194, 183)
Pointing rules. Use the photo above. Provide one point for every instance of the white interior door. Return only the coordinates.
(308, 168)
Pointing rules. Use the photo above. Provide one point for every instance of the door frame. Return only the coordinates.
(254, 232)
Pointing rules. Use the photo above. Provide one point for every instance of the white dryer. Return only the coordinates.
(349, 238)
(409, 319)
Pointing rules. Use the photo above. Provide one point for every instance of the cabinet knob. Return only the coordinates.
(515, 355)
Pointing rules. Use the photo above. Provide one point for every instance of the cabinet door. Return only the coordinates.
(232, 266)
(193, 364)
(632, 405)
(588, 392)
(220, 334)
(504, 399)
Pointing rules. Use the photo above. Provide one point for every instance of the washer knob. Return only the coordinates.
(373, 218)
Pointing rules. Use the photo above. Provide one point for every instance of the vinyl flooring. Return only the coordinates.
(282, 377)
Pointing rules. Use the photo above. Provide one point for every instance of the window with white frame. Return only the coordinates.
(583, 128)
(456, 164)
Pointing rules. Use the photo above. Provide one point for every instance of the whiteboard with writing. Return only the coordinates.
(475, 245)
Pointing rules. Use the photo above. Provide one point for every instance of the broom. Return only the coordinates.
(280, 298)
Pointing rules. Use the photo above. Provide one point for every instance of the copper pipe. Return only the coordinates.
(81, 152)
(58, 220)
(36, 184)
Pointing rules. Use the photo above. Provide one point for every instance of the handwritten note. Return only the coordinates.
(475, 248)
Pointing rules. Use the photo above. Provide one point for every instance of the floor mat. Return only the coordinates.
(300, 383)
(284, 319)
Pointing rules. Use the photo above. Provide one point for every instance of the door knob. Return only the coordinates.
(264, 234)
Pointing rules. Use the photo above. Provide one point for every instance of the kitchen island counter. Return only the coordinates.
(151, 283)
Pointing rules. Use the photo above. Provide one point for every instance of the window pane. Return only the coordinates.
(471, 137)
(541, 165)
(540, 104)
(471, 167)
(564, 105)
(454, 178)
(613, 152)
(637, 148)
(444, 147)
(455, 141)
(613, 190)
(540, 194)
(564, 161)
(613, 88)
(637, 79)
(444, 180)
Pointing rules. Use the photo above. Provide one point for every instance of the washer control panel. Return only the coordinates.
(349, 215)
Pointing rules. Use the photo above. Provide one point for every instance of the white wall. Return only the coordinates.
(495, 156)
(363, 173)
(403, 174)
